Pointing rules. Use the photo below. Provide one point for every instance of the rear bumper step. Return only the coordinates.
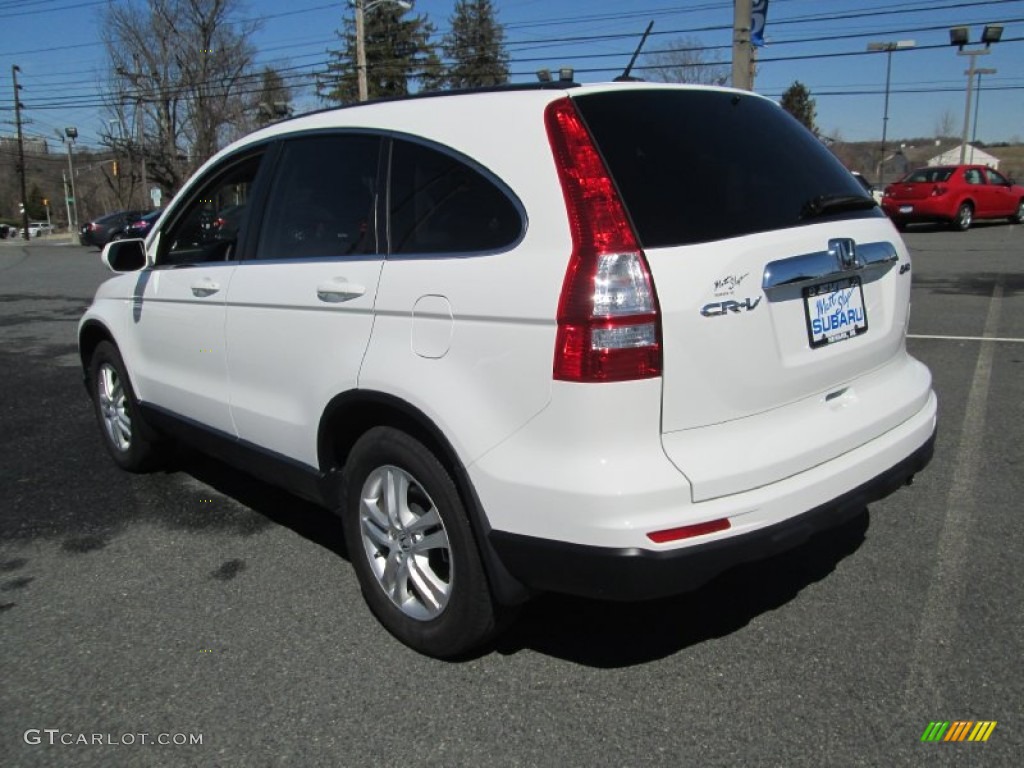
(638, 574)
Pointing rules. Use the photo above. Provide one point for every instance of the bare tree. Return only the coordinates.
(686, 60)
(184, 71)
(944, 124)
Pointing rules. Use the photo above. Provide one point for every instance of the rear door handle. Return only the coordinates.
(339, 289)
(204, 287)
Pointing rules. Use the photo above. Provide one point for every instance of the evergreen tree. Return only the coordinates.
(398, 51)
(798, 102)
(475, 46)
(34, 204)
(274, 98)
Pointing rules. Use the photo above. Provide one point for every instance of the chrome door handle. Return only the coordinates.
(339, 289)
(204, 287)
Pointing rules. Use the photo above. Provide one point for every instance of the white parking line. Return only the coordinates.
(934, 647)
(965, 338)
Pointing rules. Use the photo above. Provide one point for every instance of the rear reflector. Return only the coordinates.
(689, 531)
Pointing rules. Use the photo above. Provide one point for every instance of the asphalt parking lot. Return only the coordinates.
(199, 602)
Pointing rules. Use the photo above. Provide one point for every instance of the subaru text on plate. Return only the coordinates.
(607, 340)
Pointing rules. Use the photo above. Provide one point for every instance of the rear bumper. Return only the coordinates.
(923, 209)
(638, 574)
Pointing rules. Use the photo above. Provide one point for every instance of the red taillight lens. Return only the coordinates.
(609, 326)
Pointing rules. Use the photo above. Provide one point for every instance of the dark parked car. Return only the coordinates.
(140, 227)
(102, 230)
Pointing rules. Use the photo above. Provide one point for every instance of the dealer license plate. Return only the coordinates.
(835, 311)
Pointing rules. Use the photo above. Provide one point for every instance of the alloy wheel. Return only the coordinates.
(406, 543)
(113, 402)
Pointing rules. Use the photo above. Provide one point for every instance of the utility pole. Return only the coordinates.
(741, 56)
(15, 69)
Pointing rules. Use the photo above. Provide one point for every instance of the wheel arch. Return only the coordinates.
(350, 415)
(89, 337)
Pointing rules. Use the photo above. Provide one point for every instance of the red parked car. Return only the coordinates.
(957, 194)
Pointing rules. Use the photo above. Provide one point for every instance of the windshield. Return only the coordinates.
(694, 166)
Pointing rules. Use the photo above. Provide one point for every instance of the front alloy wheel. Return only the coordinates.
(112, 403)
(1018, 217)
(129, 441)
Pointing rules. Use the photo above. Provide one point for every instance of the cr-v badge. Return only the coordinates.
(718, 308)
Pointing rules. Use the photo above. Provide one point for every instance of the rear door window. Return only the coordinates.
(322, 200)
(695, 166)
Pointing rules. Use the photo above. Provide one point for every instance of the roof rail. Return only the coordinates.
(555, 85)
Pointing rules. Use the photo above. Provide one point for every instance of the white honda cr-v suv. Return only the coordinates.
(607, 340)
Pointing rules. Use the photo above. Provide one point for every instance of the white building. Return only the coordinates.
(974, 156)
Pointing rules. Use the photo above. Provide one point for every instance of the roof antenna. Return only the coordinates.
(625, 77)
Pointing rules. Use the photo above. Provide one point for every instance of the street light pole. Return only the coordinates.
(361, 7)
(977, 106)
(960, 36)
(888, 47)
(72, 133)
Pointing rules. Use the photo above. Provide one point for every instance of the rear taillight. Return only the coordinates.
(609, 326)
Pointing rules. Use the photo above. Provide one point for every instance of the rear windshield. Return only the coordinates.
(694, 166)
(930, 175)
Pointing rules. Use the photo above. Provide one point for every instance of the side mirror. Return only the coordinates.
(124, 255)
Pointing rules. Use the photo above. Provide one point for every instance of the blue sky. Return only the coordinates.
(57, 44)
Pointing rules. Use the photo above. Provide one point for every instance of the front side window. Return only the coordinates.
(322, 199)
(994, 177)
(973, 176)
(440, 204)
(208, 229)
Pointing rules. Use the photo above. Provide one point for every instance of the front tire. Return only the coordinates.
(1018, 217)
(126, 437)
(412, 546)
(964, 217)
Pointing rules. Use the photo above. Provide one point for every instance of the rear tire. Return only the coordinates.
(412, 546)
(128, 440)
(964, 216)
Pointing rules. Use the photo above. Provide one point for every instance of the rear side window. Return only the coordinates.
(440, 204)
(694, 166)
(929, 175)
